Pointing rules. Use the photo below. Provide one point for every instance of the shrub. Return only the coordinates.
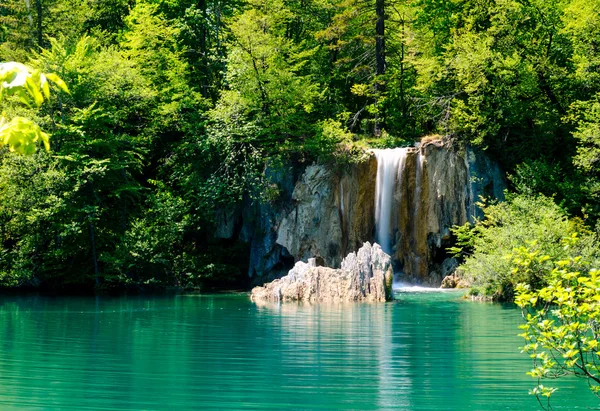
(515, 223)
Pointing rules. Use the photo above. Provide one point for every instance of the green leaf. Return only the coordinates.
(57, 81)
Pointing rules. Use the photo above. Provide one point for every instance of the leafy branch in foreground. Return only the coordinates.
(562, 319)
(30, 87)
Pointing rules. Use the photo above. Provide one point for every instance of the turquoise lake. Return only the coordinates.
(425, 351)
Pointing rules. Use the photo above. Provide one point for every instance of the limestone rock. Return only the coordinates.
(435, 190)
(450, 281)
(486, 179)
(432, 193)
(225, 222)
(454, 281)
(332, 213)
(364, 276)
(260, 221)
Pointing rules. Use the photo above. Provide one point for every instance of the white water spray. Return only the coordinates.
(390, 163)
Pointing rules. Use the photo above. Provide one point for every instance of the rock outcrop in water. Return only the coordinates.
(366, 275)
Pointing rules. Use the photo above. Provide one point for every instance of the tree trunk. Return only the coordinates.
(124, 201)
(380, 37)
(38, 8)
(93, 236)
(402, 91)
(218, 28)
(204, 79)
(379, 56)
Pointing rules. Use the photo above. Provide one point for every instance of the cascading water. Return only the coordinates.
(420, 193)
(390, 163)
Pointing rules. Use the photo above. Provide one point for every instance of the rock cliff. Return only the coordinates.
(431, 195)
(331, 213)
(435, 187)
(325, 213)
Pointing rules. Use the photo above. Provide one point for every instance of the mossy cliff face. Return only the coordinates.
(357, 197)
(431, 195)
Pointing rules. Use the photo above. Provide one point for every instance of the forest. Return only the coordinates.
(175, 107)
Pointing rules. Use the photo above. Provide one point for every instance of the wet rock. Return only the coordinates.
(364, 276)
(486, 180)
(454, 281)
(260, 222)
(225, 222)
(436, 189)
(432, 195)
(450, 281)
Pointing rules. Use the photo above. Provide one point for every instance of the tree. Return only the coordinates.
(562, 329)
(89, 184)
(496, 74)
(370, 70)
(27, 26)
(511, 224)
(272, 97)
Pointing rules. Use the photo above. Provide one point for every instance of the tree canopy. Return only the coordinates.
(175, 108)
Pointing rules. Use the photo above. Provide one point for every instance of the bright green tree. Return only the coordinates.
(271, 96)
(509, 225)
(562, 330)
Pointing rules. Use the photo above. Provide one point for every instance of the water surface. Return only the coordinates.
(426, 351)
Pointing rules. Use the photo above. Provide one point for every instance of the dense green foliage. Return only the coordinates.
(512, 224)
(174, 108)
(562, 318)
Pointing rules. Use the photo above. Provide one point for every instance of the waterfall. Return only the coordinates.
(405, 199)
(390, 164)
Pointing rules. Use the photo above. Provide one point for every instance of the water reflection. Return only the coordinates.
(423, 352)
